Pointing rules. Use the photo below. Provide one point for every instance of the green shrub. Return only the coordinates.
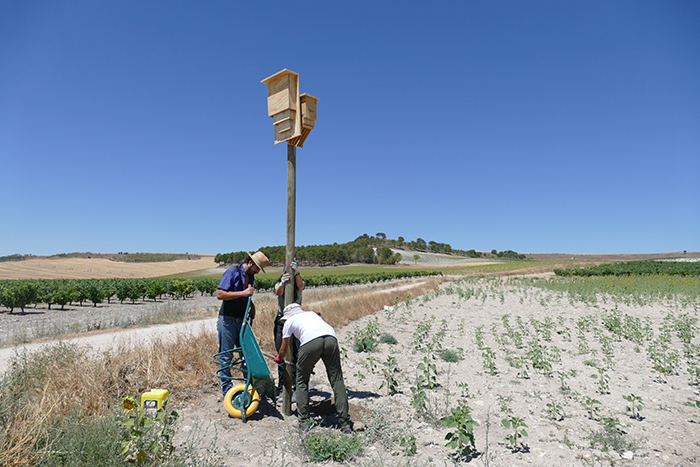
(332, 445)
(451, 356)
(387, 339)
(85, 442)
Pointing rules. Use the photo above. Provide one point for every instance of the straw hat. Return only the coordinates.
(260, 259)
(291, 310)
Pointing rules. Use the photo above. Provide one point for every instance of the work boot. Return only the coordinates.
(304, 424)
(346, 427)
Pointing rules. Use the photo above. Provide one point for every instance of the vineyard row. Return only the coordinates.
(61, 292)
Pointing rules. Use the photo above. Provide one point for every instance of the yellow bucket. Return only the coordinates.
(152, 400)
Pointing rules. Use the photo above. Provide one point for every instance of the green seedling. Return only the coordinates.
(635, 406)
(371, 364)
(465, 389)
(489, 360)
(429, 376)
(462, 438)
(563, 386)
(603, 381)
(513, 440)
(479, 336)
(390, 371)
(554, 411)
(521, 363)
(592, 407)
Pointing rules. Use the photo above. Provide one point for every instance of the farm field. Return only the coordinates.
(584, 370)
(98, 268)
(594, 379)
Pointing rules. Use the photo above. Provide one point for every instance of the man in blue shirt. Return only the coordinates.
(236, 286)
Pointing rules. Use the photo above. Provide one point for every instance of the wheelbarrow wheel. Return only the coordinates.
(238, 402)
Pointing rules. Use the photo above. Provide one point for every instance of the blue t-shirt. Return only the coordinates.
(233, 280)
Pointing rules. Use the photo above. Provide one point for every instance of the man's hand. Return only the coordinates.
(294, 267)
(278, 360)
(285, 278)
(249, 291)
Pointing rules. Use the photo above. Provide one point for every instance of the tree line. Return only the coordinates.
(364, 249)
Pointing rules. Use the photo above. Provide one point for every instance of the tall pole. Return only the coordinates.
(289, 257)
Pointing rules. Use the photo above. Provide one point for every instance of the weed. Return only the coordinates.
(611, 436)
(408, 443)
(451, 356)
(365, 340)
(328, 444)
(386, 338)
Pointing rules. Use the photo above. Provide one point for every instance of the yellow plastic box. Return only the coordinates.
(152, 400)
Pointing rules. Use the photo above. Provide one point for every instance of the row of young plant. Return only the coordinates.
(635, 268)
(529, 347)
(61, 292)
(679, 292)
(428, 340)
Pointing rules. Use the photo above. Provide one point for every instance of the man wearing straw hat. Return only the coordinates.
(235, 288)
(317, 341)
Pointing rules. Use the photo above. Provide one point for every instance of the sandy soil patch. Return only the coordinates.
(98, 268)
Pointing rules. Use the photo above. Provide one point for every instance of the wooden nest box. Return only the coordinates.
(293, 114)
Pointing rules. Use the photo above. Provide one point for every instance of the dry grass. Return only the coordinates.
(64, 380)
(342, 305)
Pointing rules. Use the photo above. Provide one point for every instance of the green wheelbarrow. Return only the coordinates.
(242, 400)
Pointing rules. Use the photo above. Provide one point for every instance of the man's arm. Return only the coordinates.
(222, 294)
(284, 348)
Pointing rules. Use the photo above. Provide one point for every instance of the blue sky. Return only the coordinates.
(539, 126)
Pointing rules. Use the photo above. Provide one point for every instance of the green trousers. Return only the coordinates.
(322, 348)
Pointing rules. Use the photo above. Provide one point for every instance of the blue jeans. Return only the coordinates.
(229, 330)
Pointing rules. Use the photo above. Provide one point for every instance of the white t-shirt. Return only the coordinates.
(306, 326)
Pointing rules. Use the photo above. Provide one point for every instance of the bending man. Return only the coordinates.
(317, 340)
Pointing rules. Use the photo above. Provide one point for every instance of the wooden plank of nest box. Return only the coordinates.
(283, 97)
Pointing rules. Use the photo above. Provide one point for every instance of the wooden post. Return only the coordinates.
(289, 257)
